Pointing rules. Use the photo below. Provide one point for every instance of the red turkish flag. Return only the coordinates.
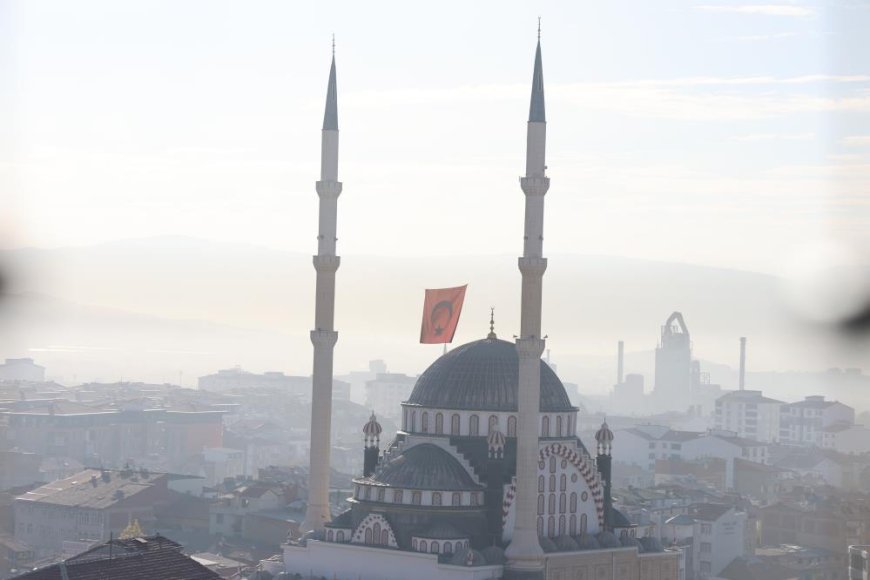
(441, 311)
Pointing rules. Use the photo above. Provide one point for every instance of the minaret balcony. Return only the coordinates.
(535, 186)
(532, 266)
(326, 338)
(530, 347)
(326, 263)
(328, 189)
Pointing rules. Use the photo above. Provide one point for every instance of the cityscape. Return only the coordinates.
(177, 408)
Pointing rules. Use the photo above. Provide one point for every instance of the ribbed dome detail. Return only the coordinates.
(483, 376)
(425, 466)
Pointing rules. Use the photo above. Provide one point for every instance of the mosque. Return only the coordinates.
(487, 477)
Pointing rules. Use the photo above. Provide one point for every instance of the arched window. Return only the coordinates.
(572, 525)
(552, 465)
(448, 547)
(436, 498)
(368, 535)
(473, 426)
(397, 496)
(339, 537)
(368, 492)
(562, 502)
(551, 503)
(512, 426)
(552, 483)
(454, 424)
(381, 493)
(425, 422)
(439, 424)
(414, 543)
(416, 497)
(540, 484)
(457, 498)
(376, 531)
(493, 424)
(540, 504)
(475, 498)
(385, 538)
(413, 421)
(583, 524)
(435, 548)
(563, 482)
(573, 502)
(559, 425)
(545, 429)
(551, 526)
(458, 546)
(570, 425)
(540, 526)
(329, 536)
(561, 525)
(424, 546)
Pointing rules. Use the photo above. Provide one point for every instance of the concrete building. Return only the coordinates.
(718, 536)
(749, 414)
(643, 445)
(728, 447)
(386, 393)
(859, 562)
(237, 379)
(90, 505)
(845, 438)
(805, 422)
(227, 515)
(22, 369)
(673, 374)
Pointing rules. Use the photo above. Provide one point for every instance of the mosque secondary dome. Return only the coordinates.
(425, 466)
(483, 376)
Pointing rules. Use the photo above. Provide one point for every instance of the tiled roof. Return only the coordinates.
(152, 558)
(708, 512)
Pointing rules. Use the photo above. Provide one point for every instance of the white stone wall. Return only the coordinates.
(456, 422)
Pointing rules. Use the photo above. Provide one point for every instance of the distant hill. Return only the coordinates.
(211, 305)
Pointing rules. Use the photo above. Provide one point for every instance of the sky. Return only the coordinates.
(709, 132)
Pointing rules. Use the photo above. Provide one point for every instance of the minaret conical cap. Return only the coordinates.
(536, 107)
(330, 116)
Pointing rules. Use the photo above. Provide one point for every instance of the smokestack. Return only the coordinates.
(742, 362)
(619, 362)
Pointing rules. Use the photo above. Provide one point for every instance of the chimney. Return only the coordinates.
(742, 380)
(619, 362)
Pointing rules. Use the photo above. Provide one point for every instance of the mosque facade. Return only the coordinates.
(481, 481)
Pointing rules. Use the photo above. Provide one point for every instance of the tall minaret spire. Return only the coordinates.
(324, 335)
(525, 556)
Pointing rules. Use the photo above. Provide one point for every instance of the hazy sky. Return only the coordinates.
(711, 132)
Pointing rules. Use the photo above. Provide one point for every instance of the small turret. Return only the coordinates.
(372, 432)
(604, 437)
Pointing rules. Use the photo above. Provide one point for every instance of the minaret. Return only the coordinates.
(324, 335)
(604, 438)
(524, 554)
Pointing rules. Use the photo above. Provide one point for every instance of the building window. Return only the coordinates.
(707, 529)
(381, 493)
(559, 426)
(512, 426)
(551, 503)
(540, 484)
(436, 498)
(552, 483)
(573, 502)
(572, 525)
(563, 482)
(706, 547)
(368, 492)
(377, 532)
(540, 526)
(473, 426)
(475, 499)
(397, 496)
(439, 424)
(552, 465)
(413, 421)
(562, 525)
(368, 535)
(414, 543)
(584, 523)
(562, 503)
(435, 548)
(493, 424)
(339, 537)
(545, 428)
(425, 422)
(416, 497)
(551, 526)
(424, 546)
(457, 498)
(448, 547)
(540, 504)
(454, 424)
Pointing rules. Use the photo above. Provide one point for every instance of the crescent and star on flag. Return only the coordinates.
(441, 310)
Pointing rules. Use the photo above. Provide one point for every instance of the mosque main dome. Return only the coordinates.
(483, 376)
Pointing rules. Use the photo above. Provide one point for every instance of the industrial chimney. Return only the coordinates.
(742, 362)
